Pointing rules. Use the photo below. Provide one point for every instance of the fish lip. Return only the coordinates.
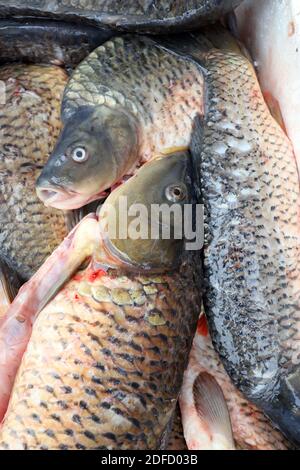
(62, 199)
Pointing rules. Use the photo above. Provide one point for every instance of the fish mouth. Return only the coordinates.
(62, 199)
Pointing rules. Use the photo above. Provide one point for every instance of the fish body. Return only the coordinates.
(105, 360)
(119, 120)
(29, 126)
(176, 438)
(147, 16)
(115, 121)
(251, 429)
(104, 365)
(244, 160)
(250, 190)
(42, 41)
(271, 32)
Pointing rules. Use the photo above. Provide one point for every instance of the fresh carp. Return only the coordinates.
(42, 41)
(145, 15)
(250, 190)
(205, 418)
(113, 121)
(271, 31)
(29, 126)
(248, 179)
(106, 356)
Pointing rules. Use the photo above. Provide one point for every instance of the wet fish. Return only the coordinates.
(145, 15)
(176, 438)
(250, 191)
(245, 161)
(113, 122)
(271, 31)
(42, 41)
(9, 286)
(106, 357)
(29, 126)
(205, 417)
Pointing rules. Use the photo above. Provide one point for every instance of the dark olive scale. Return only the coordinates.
(250, 190)
(100, 78)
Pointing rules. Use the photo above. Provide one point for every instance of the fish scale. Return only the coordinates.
(251, 429)
(111, 76)
(104, 365)
(29, 126)
(146, 15)
(250, 190)
(177, 441)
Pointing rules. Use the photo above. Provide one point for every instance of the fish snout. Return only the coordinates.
(58, 197)
(45, 194)
(49, 193)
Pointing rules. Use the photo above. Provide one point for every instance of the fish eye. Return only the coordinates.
(80, 155)
(176, 192)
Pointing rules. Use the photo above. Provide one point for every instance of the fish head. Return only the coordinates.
(96, 148)
(143, 219)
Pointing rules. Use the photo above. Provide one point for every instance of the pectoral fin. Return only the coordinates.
(75, 216)
(275, 110)
(212, 410)
(9, 286)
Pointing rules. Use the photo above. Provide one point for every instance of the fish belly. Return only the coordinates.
(271, 31)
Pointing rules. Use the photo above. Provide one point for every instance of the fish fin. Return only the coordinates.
(211, 407)
(196, 147)
(171, 150)
(165, 436)
(9, 282)
(274, 108)
(231, 23)
(75, 216)
(72, 218)
(202, 327)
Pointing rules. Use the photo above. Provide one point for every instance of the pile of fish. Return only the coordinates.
(103, 346)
